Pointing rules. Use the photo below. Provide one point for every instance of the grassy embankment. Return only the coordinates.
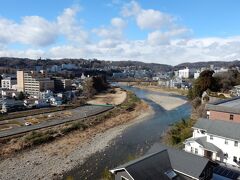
(177, 133)
(43, 136)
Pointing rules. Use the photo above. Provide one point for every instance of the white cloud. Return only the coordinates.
(148, 18)
(151, 19)
(70, 27)
(175, 52)
(164, 38)
(131, 9)
(37, 31)
(118, 23)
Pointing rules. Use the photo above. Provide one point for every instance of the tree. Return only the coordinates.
(205, 81)
(21, 96)
(88, 89)
(100, 83)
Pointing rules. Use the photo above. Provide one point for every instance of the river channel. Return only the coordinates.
(134, 141)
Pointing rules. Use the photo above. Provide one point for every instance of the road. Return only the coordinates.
(78, 113)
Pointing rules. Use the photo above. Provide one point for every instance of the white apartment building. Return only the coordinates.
(33, 82)
(217, 140)
(8, 82)
(185, 73)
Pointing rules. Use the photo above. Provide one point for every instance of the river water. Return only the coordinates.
(134, 141)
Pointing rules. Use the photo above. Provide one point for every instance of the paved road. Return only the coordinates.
(78, 113)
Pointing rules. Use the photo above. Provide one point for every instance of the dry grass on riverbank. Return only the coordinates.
(116, 96)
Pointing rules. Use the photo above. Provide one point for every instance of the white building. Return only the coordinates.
(235, 91)
(197, 74)
(8, 82)
(217, 140)
(185, 73)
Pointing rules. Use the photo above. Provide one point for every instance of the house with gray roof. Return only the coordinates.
(227, 109)
(218, 140)
(164, 165)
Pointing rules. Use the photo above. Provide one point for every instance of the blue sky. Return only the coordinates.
(163, 31)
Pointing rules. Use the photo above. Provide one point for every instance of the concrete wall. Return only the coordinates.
(215, 115)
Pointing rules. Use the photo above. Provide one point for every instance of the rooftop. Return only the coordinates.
(227, 129)
(227, 105)
(206, 145)
(158, 165)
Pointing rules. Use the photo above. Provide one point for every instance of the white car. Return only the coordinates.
(28, 124)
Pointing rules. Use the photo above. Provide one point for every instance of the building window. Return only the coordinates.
(196, 151)
(236, 143)
(226, 141)
(191, 149)
(234, 159)
(231, 116)
(211, 137)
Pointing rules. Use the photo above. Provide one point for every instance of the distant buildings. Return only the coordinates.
(9, 83)
(186, 73)
(235, 91)
(33, 82)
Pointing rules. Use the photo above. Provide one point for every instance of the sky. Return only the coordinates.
(154, 31)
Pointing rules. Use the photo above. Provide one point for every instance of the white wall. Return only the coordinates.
(229, 148)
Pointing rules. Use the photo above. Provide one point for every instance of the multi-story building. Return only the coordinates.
(218, 136)
(33, 82)
(186, 73)
(228, 110)
(8, 82)
(216, 140)
(62, 84)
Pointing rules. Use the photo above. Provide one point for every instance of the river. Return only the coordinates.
(134, 141)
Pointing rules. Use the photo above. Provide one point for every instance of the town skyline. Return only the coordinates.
(154, 32)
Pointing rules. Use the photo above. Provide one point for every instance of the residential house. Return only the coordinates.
(228, 110)
(11, 105)
(235, 91)
(8, 82)
(165, 164)
(218, 140)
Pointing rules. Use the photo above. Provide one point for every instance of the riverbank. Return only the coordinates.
(167, 102)
(51, 160)
(162, 90)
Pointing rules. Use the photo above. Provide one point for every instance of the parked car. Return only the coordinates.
(28, 124)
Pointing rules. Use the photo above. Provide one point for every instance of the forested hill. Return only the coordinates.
(208, 63)
(25, 63)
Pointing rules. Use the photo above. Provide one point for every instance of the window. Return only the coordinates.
(231, 116)
(191, 149)
(236, 143)
(196, 151)
(211, 137)
(226, 141)
(234, 159)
